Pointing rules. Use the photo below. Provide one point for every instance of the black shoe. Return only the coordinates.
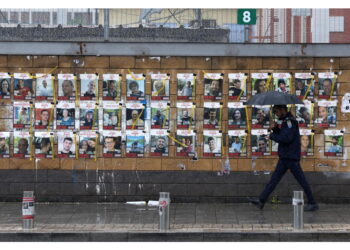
(257, 202)
(310, 207)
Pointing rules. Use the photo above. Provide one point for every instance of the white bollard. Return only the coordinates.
(28, 210)
(164, 211)
(298, 204)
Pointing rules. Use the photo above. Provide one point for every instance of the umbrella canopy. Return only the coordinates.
(274, 98)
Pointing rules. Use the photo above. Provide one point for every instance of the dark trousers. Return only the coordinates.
(282, 166)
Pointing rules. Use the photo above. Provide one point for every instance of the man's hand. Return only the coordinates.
(273, 124)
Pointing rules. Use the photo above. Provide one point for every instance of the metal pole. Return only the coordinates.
(298, 204)
(106, 24)
(164, 211)
(28, 210)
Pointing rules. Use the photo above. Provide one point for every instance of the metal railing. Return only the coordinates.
(272, 25)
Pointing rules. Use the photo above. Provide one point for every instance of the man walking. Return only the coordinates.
(288, 138)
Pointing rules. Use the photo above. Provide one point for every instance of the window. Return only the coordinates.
(336, 24)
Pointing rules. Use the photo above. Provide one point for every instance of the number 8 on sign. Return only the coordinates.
(246, 17)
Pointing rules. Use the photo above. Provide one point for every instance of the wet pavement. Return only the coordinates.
(189, 218)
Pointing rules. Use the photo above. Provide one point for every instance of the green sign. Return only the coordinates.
(246, 16)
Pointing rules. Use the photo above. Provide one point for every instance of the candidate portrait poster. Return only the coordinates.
(67, 87)
(186, 115)
(237, 87)
(44, 145)
(160, 112)
(185, 143)
(5, 86)
(160, 86)
(44, 89)
(333, 142)
(23, 86)
(5, 144)
(135, 87)
(260, 142)
(112, 143)
(213, 86)
(237, 115)
(111, 87)
(65, 115)
(237, 143)
(89, 87)
(186, 86)
(304, 85)
(282, 82)
(159, 142)
(67, 142)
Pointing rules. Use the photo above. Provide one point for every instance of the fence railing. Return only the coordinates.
(271, 26)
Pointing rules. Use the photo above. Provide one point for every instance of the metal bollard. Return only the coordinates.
(28, 211)
(164, 211)
(298, 203)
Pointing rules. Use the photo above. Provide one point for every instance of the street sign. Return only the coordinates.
(246, 16)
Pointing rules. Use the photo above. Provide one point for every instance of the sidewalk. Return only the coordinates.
(189, 222)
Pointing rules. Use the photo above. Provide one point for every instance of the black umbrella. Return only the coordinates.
(274, 98)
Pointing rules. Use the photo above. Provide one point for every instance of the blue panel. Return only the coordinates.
(236, 32)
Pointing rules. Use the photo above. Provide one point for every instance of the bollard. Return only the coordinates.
(28, 211)
(298, 203)
(164, 211)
